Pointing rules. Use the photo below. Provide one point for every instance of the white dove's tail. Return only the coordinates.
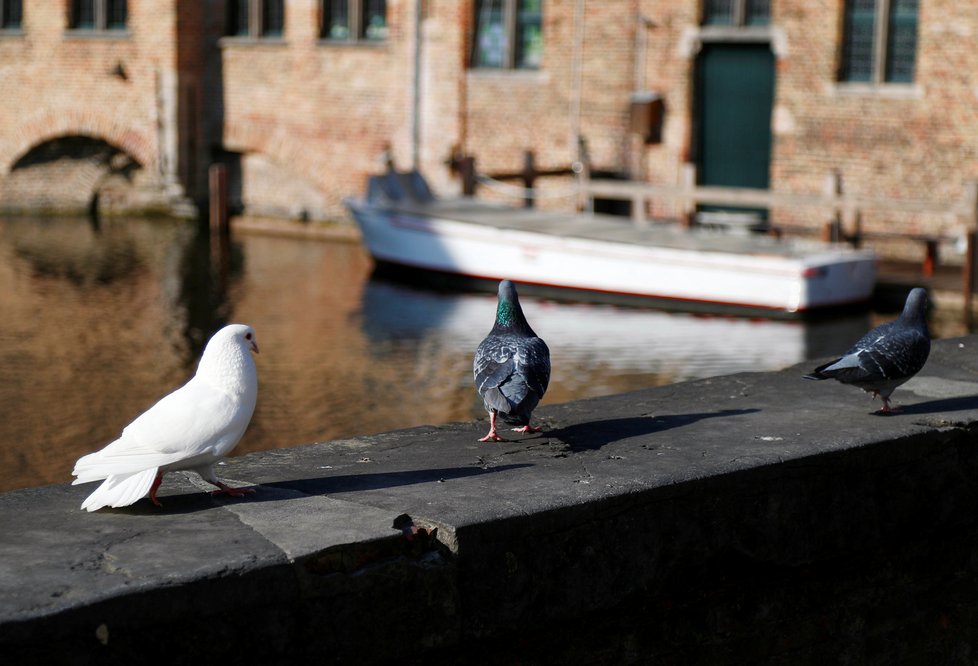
(121, 490)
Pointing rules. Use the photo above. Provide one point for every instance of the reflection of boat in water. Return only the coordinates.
(403, 223)
(620, 339)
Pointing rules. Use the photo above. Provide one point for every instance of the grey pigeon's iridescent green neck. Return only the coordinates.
(509, 314)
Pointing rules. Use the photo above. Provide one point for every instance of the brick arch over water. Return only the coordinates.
(50, 125)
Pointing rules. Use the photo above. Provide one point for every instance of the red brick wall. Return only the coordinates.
(915, 141)
(55, 82)
(320, 114)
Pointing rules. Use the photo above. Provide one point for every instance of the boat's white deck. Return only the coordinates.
(618, 229)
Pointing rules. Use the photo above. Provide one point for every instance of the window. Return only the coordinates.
(98, 15)
(508, 34)
(737, 13)
(879, 43)
(10, 14)
(255, 18)
(272, 18)
(353, 20)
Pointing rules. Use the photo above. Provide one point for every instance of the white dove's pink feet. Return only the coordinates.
(156, 486)
(225, 489)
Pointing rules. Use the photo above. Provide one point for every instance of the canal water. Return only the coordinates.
(98, 321)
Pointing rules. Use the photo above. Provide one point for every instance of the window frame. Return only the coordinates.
(256, 20)
(739, 16)
(100, 17)
(356, 22)
(882, 37)
(513, 30)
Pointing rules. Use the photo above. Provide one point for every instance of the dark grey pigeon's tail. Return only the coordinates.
(817, 373)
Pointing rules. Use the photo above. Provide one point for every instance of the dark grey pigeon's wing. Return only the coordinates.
(890, 352)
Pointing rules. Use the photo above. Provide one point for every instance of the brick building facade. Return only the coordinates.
(303, 97)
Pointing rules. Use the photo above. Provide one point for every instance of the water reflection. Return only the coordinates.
(598, 348)
(99, 323)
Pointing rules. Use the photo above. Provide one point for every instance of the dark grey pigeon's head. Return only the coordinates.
(915, 309)
(509, 314)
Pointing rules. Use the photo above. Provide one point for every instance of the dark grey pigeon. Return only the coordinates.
(887, 356)
(511, 367)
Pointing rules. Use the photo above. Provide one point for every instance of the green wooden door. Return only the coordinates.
(735, 95)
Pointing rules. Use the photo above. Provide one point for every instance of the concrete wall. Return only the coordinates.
(752, 518)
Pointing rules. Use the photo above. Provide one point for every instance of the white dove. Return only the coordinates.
(189, 429)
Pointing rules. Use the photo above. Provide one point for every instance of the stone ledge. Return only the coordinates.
(643, 517)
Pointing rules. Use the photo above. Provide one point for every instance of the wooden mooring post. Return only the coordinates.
(220, 228)
(217, 177)
(968, 272)
(968, 276)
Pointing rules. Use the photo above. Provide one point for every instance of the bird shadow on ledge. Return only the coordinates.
(592, 435)
(347, 483)
(957, 404)
(276, 491)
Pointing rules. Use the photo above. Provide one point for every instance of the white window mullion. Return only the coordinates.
(879, 40)
(509, 18)
(739, 13)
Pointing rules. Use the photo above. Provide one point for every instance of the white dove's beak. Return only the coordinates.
(254, 346)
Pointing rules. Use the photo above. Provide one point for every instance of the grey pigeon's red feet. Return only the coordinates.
(886, 409)
(493, 436)
(527, 428)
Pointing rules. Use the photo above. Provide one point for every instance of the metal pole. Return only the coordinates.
(968, 286)
(416, 101)
(577, 56)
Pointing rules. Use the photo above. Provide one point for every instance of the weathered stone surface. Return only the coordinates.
(720, 520)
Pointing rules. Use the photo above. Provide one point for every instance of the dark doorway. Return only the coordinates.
(734, 99)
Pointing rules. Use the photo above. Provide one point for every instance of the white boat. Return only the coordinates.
(404, 224)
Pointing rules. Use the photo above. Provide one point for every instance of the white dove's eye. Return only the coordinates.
(247, 336)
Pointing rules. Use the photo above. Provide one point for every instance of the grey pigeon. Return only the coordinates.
(887, 356)
(511, 367)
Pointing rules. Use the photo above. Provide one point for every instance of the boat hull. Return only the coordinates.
(778, 282)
